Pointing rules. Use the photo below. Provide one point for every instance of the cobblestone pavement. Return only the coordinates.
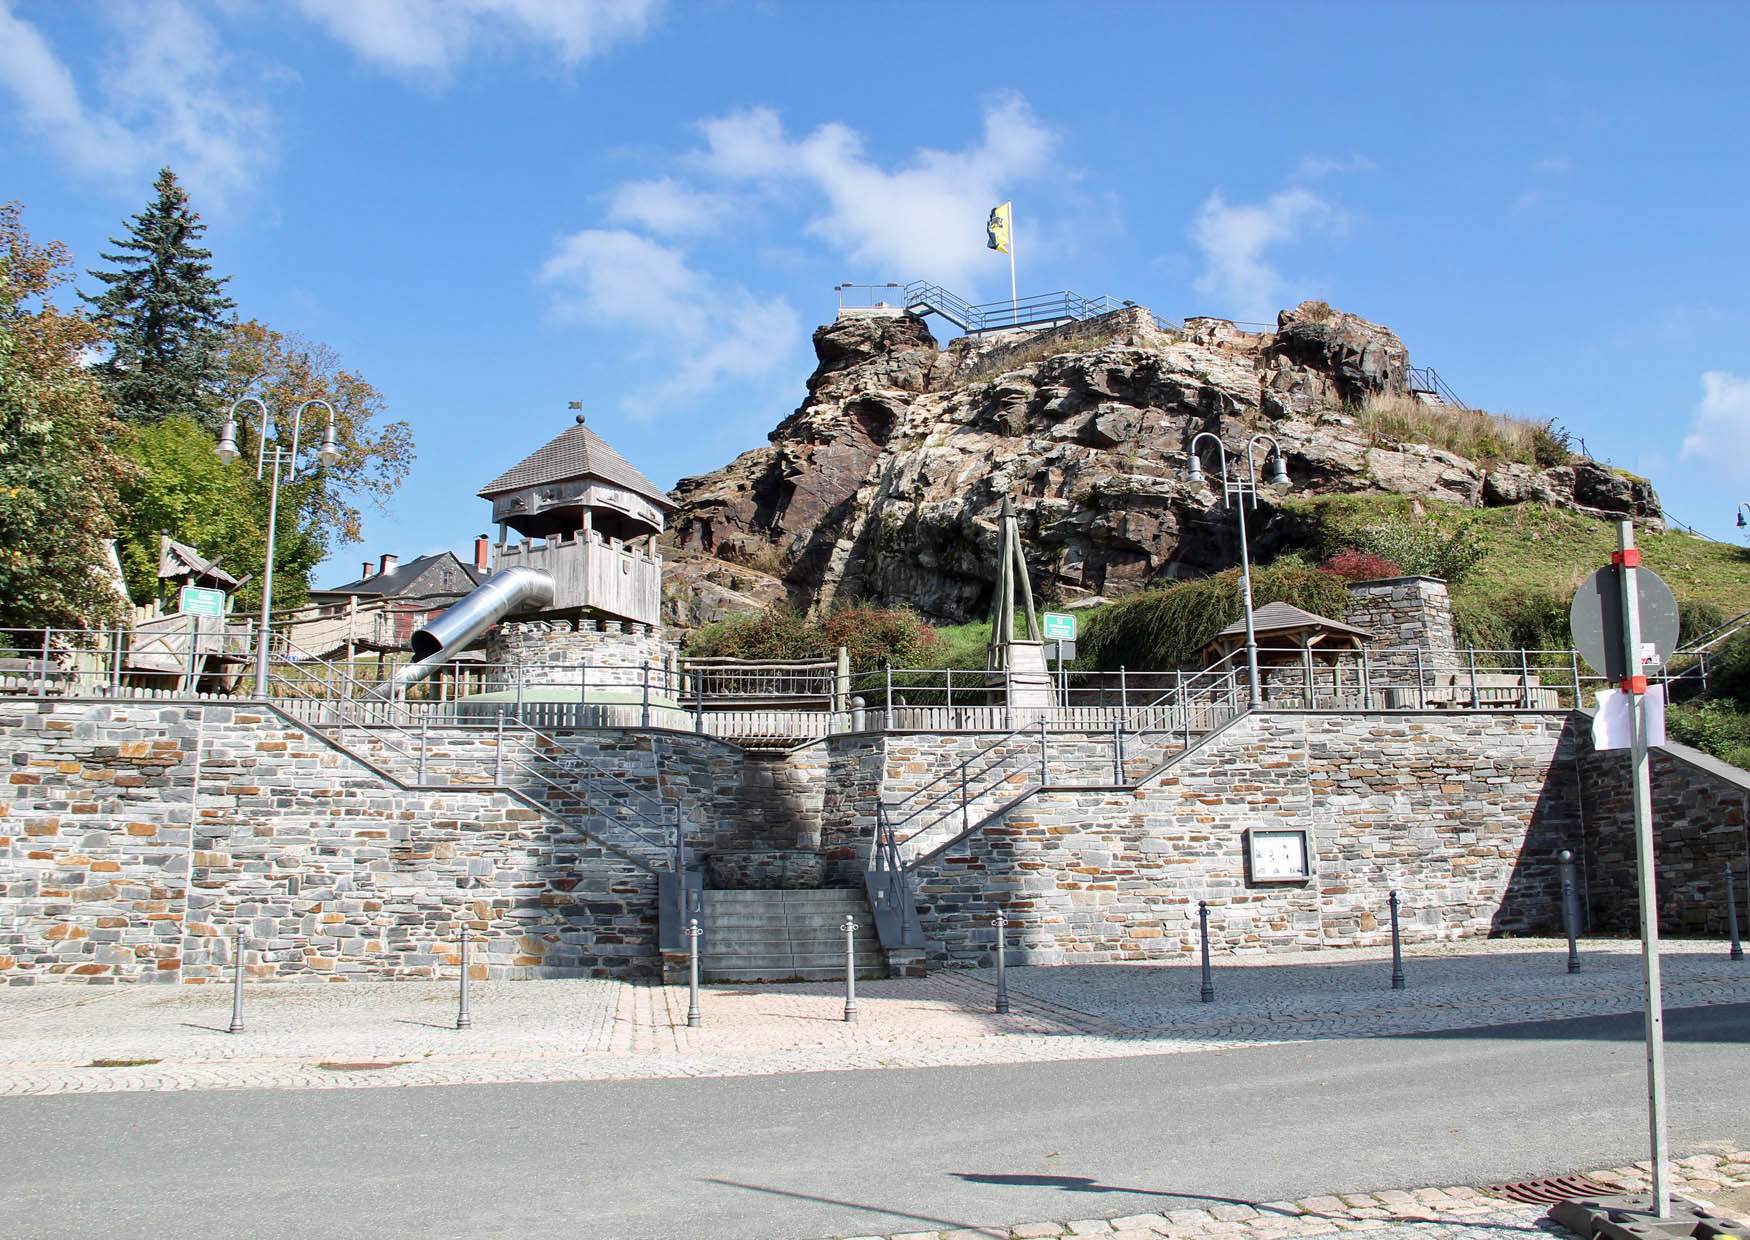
(375, 1034)
(1719, 1179)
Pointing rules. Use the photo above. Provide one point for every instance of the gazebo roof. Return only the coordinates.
(1286, 617)
(576, 453)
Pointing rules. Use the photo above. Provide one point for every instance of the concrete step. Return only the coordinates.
(786, 974)
(826, 898)
(780, 960)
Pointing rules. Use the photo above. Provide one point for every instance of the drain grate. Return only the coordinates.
(1548, 1192)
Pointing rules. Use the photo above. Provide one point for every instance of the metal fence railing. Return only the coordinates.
(806, 700)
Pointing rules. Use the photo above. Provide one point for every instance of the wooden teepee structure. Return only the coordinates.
(1011, 568)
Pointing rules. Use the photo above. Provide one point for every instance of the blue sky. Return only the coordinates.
(493, 207)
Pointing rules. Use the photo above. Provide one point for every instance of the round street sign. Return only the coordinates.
(1596, 618)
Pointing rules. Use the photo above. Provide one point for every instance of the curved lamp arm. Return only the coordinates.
(227, 446)
(329, 452)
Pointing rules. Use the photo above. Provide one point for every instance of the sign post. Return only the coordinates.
(1622, 627)
(1627, 559)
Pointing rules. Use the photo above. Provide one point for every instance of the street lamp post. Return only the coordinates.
(226, 450)
(1236, 487)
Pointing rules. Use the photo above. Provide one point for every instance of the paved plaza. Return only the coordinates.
(359, 1035)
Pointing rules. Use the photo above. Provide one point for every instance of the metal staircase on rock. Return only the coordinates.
(786, 936)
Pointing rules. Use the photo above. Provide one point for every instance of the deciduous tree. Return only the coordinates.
(58, 473)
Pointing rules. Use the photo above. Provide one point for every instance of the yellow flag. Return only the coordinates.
(996, 228)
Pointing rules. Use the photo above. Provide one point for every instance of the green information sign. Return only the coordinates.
(1058, 626)
(201, 601)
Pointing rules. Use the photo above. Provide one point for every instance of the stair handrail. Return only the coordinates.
(1221, 676)
(372, 702)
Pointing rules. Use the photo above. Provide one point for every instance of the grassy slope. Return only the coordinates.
(1535, 547)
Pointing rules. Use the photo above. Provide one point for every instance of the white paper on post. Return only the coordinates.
(1611, 726)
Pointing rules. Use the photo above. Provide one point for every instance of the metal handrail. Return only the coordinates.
(338, 705)
(1430, 381)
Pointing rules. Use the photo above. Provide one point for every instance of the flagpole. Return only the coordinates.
(1014, 306)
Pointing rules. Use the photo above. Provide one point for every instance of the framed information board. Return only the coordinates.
(1278, 856)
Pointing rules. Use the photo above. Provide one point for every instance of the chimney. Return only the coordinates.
(388, 564)
(482, 553)
(368, 571)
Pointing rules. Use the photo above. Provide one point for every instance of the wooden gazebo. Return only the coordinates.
(1289, 634)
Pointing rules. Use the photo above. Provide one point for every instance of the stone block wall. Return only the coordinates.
(113, 869)
(557, 652)
(1404, 613)
(109, 872)
(1700, 810)
(1462, 814)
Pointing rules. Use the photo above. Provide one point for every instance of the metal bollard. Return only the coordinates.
(237, 985)
(1397, 948)
(694, 1017)
(1002, 924)
(1570, 910)
(1207, 995)
(1732, 914)
(850, 929)
(463, 1019)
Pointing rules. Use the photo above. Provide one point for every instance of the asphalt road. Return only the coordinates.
(790, 1158)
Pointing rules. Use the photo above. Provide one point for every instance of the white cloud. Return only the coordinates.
(1719, 434)
(1235, 239)
(165, 99)
(707, 332)
(667, 207)
(1312, 167)
(48, 100)
(919, 218)
(432, 36)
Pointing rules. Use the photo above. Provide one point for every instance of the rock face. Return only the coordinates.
(885, 484)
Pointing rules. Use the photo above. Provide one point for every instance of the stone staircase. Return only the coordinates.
(779, 936)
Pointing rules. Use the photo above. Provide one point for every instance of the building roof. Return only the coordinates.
(176, 559)
(394, 582)
(1282, 617)
(576, 453)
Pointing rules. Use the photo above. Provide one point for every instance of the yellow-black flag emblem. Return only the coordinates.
(996, 228)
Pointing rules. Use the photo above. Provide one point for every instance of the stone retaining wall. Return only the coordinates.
(109, 872)
(1458, 812)
(1700, 809)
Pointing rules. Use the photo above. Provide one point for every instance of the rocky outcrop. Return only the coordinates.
(885, 484)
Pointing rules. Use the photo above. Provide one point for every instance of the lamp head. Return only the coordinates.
(329, 452)
(1277, 474)
(1193, 466)
(1741, 522)
(226, 450)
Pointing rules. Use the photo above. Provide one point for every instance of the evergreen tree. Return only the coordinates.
(163, 312)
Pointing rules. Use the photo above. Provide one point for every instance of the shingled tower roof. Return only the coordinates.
(577, 453)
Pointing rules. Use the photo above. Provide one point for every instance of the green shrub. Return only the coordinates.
(778, 632)
(1479, 624)
(1423, 547)
(1718, 727)
(873, 636)
(1728, 670)
(876, 636)
(1167, 628)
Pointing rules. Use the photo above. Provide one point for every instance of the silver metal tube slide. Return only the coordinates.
(505, 592)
